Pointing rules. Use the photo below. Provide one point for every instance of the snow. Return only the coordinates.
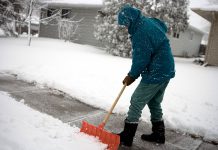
(95, 77)
(92, 2)
(207, 5)
(23, 128)
(198, 22)
(2, 33)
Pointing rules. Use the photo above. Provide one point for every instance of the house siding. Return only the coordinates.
(86, 27)
(48, 31)
(187, 45)
(212, 49)
(84, 31)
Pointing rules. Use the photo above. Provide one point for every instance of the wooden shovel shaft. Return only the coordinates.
(112, 107)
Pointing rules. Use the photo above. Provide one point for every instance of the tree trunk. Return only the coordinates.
(29, 22)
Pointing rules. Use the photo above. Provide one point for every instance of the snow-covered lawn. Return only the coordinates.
(22, 128)
(95, 77)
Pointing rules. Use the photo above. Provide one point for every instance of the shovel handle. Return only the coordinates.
(112, 107)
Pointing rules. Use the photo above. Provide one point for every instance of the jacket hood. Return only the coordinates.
(129, 17)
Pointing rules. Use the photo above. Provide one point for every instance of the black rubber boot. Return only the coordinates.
(158, 134)
(127, 135)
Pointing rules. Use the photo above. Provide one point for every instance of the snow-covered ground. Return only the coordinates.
(95, 77)
(22, 128)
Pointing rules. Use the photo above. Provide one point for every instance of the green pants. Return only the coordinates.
(150, 94)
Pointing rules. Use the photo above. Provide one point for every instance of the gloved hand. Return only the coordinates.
(128, 80)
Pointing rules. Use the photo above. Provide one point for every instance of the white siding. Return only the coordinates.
(188, 43)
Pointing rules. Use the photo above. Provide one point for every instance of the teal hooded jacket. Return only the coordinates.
(151, 52)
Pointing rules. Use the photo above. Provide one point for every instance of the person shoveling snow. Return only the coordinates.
(153, 60)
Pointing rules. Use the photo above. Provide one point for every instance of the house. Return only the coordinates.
(210, 13)
(84, 10)
(185, 44)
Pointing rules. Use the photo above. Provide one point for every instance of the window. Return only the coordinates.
(65, 13)
(43, 13)
(176, 35)
(50, 12)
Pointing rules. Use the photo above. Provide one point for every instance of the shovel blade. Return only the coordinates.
(112, 140)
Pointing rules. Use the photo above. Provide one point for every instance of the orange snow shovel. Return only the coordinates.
(112, 140)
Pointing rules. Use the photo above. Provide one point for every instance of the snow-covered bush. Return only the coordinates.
(116, 38)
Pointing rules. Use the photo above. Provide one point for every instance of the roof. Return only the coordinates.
(191, 27)
(74, 3)
(204, 8)
(206, 5)
(206, 14)
(198, 22)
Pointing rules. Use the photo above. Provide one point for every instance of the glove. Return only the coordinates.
(128, 80)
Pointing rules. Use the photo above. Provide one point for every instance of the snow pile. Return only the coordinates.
(95, 77)
(23, 128)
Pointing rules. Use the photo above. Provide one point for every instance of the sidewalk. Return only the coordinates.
(71, 111)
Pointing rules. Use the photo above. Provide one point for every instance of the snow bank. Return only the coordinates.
(23, 128)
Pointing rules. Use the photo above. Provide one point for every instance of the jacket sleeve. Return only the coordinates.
(141, 57)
